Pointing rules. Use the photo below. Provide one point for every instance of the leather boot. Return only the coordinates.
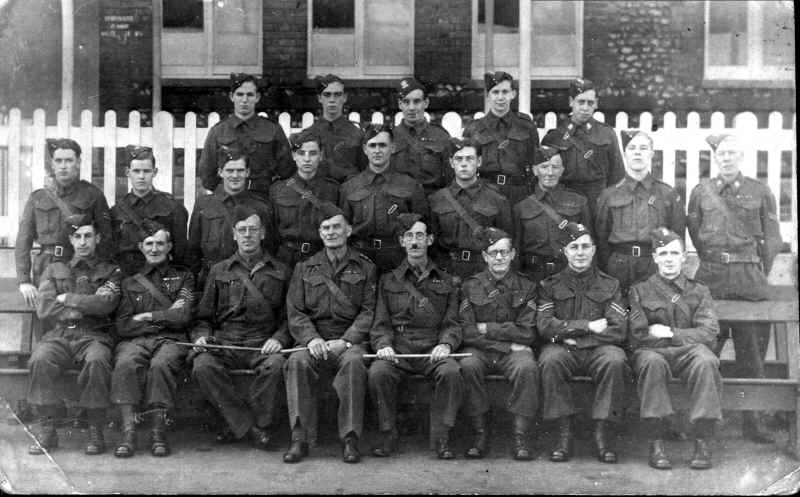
(259, 438)
(127, 445)
(754, 430)
(388, 443)
(350, 452)
(298, 448)
(520, 450)
(159, 446)
(563, 450)
(95, 443)
(604, 453)
(46, 439)
(658, 455)
(702, 455)
(443, 449)
(480, 438)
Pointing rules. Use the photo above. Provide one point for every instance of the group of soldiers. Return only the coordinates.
(449, 258)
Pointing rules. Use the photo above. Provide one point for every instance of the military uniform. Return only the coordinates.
(508, 145)
(508, 307)
(410, 324)
(147, 360)
(234, 315)
(567, 302)
(42, 220)
(685, 306)
(455, 247)
(210, 229)
(423, 151)
(297, 214)
(539, 235)
(592, 160)
(341, 147)
(372, 203)
(625, 215)
(157, 206)
(330, 302)
(264, 143)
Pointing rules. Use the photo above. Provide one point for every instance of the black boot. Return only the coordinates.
(563, 450)
(702, 455)
(443, 449)
(480, 438)
(658, 455)
(350, 452)
(604, 453)
(127, 445)
(259, 438)
(95, 443)
(159, 446)
(388, 443)
(46, 439)
(754, 430)
(298, 449)
(520, 450)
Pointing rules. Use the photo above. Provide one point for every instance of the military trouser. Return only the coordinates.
(448, 389)
(750, 342)
(304, 373)
(211, 370)
(60, 350)
(519, 368)
(695, 364)
(606, 365)
(145, 371)
(630, 269)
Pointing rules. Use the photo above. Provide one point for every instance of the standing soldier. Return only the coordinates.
(46, 211)
(592, 161)
(76, 300)
(498, 315)
(462, 207)
(340, 139)
(296, 201)
(421, 149)
(540, 219)
(628, 212)
(734, 227)
(509, 139)
(374, 198)
(243, 305)
(582, 321)
(154, 310)
(263, 142)
(416, 313)
(142, 203)
(672, 329)
(212, 218)
(330, 307)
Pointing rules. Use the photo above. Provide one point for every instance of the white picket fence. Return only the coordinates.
(23, 140)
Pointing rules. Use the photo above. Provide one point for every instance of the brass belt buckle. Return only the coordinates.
(636, 251)
(501, 179)
(376, 243)
(58, 251)
(726, 257)
(551, 267)
(465, 255)
(305, 248)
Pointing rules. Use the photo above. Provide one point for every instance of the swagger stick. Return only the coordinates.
(237, 347)
(419, 356)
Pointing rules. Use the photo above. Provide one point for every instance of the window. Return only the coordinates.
(750, 41)
(211, 39)
(556, 38)
(361, 38)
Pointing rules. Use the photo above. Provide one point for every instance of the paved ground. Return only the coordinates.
(200, 466)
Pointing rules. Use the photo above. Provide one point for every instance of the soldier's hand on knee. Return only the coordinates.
(271, 346)
(387, 354)
(440, 352)
(200, 341)
(598, 325)
(515, 347)
(570, 342)
(30, 294)
(336, 347)
(318, 348)
(143, 316)
(660, 331)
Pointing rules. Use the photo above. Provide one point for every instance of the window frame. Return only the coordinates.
(477, 67)
(359, 70)
(205, 38)
(755, 72)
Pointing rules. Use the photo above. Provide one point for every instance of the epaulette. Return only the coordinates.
(168, 195)
(524, 116)
(619, 183)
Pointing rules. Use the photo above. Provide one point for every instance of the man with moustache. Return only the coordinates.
(330, 308)
(297, 200)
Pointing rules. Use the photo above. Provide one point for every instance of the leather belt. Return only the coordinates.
(464, 255)
(503, 179)
(549, 263)
(303, 247)
(376, 243)
(635, 249)
(729, 257)
(55, 250)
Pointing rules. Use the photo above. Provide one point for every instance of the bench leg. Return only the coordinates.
(793, 367)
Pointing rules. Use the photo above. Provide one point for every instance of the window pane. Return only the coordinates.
(237, 24)
(334, 14)
(727, 44)
(778, 33)
(554, 34)
(183, 14)
(387, 32)
(506, 15)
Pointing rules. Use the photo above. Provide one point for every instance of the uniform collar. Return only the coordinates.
(89, 262)
(488, 279)
(676, 283)
(337, 123)
(575, 276)
(404, 268)
(647, 182)
(253, 264)
(222, 195)
(471, 190)
(587, 126)
(161, 268)
(540, 192)
(238, 121)
(736, 183)
(302, 181)
(370, 175)
(134, 199)
(63, 191)
(418, 128)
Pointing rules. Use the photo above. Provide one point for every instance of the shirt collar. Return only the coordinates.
(134, 199)
(405, 268)
(63, 191)
(253, 264)
(471, 190)
(161, 268)
(540, 192)
(647, 181)
(735, 183)
(679, 282)
(419, 128)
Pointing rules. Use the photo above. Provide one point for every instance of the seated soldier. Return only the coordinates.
(498, 314)
(154, 310)
(330, 307)
(582, 321)
(76, 299)
(672, 329)
(243, 305)
(417, 313)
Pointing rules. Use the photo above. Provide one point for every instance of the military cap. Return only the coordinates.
(323, 81)
(492, 79)
(459, 143)
(662, 236)
(151, 227)
(296, 140)
(240, 78)
(715, 140)
(139, 152)
(230, 152)
(553, 143)
(574, 231)
(242, 212)
(580, 85)
(488, 236)
(405, 221)
(328, 210)
(629, 134)
(373, 130)
(54, 144)
(74, 222)
(407, 85)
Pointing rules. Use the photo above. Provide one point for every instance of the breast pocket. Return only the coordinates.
(748, 211)
(656, 312)
(622, 214)
(564, 301)
(484, 307)
(432, 160)
(287, 209)
(315, 291)
(346, 152)
(360, 202)
(262, 154)
(214, 228)
(398, 301)
(485, 213)
(594, 304)
(352, 285)
(48, 221)
(229, 294)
